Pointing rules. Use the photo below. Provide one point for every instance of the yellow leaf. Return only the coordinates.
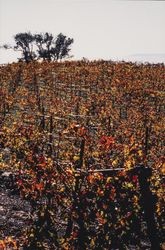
(92, 243)
(128, 164)
(115, 162)
(95, 154)
(76, 158)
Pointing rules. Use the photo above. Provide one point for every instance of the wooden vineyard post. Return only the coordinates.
(148, 204)
(123, 112)
(38, 100)
(51, 135)
(82, 153)
(146, 141)
(110, 125)
(77, 205)
(43, 118)
(51, 129)
(4, 109)
(77, 108)
(147, 144)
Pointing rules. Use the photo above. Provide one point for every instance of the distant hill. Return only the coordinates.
(152, 58)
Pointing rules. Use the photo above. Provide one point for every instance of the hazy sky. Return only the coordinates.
(102, 29)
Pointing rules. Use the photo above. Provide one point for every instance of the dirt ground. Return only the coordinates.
(14, 211)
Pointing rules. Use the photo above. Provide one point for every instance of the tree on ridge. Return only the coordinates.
(41, 46)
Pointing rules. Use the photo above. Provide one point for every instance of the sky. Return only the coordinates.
(102, 29)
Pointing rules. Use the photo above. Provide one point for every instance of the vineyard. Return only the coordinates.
(84, 145)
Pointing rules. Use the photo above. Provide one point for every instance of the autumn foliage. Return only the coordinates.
(116, 110)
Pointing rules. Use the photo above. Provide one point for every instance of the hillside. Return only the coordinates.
(60, 118)
(118, 99)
